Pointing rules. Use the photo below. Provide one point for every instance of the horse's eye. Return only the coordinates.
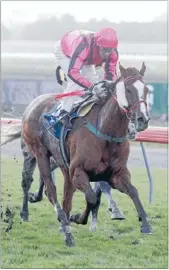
(128, 91)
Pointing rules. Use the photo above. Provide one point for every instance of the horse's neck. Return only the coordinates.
(111, 119)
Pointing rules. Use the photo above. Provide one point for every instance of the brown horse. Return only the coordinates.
(97, 145)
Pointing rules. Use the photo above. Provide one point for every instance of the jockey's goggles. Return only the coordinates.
(106, 50)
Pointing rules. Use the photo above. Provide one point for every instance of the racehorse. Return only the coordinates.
(97, 146)
(100, 187)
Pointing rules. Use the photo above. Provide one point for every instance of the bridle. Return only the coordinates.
(130, 110)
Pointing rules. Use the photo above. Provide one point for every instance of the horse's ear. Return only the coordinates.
(143, 69)
(122, 69)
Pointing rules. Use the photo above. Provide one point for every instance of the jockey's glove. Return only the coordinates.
(99, 89)
(96, 86)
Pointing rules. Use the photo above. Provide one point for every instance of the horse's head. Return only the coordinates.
(130, 93)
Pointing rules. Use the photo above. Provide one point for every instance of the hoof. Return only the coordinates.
(117, 218)
(146, 229)
(69, 240)
(117, 215)
(33, 197)
(75, 218)
(93, 225)
(93, 228)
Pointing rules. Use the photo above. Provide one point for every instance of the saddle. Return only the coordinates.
(59, 130)
(77, 106)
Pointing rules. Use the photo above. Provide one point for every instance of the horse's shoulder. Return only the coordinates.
(120, 147)
(120, 152)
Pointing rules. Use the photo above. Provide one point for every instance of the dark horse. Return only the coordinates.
(97, 145)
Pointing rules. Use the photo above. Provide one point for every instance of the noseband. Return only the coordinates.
(129, 111)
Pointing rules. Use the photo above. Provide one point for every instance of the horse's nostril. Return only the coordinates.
(140, 119)
(143, 120)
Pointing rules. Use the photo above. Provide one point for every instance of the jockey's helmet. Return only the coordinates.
(106, 38)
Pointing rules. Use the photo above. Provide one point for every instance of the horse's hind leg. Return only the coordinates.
(43, 161)
(38, 196)
(34, 197)
(103, 187)
(29, 167)
(27, 172)
(69, 190)
(116, 214)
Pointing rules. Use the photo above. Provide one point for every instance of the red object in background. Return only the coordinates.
(154, 135)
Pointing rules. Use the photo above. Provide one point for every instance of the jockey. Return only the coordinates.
(77, 54)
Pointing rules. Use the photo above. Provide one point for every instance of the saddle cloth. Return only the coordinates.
(60, 131)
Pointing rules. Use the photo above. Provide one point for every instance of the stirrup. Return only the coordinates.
(62, 114)
(63, 118)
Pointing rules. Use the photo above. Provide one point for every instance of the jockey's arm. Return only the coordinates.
(77, 61)
(110, 66)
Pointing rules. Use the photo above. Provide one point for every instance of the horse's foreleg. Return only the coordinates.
(81, 181)
(43, 161)
(27, 172)
(94, 211)
(122, 182)
(116, 214)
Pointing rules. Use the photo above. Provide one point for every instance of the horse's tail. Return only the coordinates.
(12, 136)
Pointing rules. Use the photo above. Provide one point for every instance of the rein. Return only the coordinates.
(128, 112)
(132, 109)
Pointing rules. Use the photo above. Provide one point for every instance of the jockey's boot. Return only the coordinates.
(63, 117)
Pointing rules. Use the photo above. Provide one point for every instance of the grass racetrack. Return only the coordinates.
(116, 244)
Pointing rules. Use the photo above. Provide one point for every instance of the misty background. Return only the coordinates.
(31, 22)
(29, 30)
(40, 36)
(52, 28)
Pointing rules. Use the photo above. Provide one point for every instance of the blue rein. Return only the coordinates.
(102, 136)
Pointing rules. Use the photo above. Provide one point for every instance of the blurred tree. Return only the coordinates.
(52, 28)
